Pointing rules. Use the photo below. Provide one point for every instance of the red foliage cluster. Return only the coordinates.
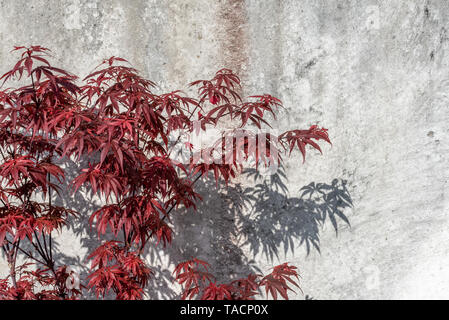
(115, 117)
(196, 281)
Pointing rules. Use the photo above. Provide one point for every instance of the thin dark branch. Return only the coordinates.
(29, 255)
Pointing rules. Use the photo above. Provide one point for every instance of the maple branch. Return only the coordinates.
(41, 251)
(16, 246)
(34, 93)
(163, 218)
(50, 243)
(11, 264)
(29, 255)
(49, 206)
(179, 136)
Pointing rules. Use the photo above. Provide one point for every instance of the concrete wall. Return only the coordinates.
(374, 72)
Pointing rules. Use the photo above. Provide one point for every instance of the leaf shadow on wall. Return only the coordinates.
(233, 221)
(230, 222)
(279, 221)
(84, 235)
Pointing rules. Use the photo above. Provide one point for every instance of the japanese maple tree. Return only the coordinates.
(116, 120)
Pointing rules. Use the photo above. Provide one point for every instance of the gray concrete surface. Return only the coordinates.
(376, 73)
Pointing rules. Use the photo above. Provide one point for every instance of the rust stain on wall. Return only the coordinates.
(233, 36)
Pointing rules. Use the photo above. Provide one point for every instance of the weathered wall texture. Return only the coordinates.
(376, 73)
